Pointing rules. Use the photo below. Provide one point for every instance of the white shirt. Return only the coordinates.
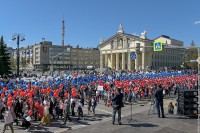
(80, 104)
(46, 110)
(8, 117)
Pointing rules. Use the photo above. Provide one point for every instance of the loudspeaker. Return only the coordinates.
(188, 102)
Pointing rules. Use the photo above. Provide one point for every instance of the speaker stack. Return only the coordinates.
(188, 102)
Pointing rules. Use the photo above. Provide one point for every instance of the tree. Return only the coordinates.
(13, 63)
(191, 54)
(23, 62)
(4, 58)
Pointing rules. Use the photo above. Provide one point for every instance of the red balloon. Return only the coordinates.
(15, 93)
(55, 94)
(4, 89)
(73, 89)
(24, 94)
(36, 88)
(57, 90)
(48, 89)
(2, 95)
(29, 85)
(82, 87)
(30, 112)
(9, 95)
(21, 94)
(20, 90)
(30, 102)
(74, 94)
(44, 91)
(61, 85)
(66, 95)
(37, 105)
(29, 95)
(9, 103)
(10, 99)
(29, 91)
(32, 91)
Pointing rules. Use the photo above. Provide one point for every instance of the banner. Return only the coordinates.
(100, 88)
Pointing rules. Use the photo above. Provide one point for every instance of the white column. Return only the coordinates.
(129, 60)
(123, 61)
(137, 61)
(143, 59)
(106, 60)
(111, 60)
(101, 61)
(117, 61)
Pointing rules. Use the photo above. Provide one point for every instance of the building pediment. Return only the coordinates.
(121, 40)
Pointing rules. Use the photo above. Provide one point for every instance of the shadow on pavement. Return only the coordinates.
(142, 125)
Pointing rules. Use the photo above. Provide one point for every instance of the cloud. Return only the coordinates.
(197, 22)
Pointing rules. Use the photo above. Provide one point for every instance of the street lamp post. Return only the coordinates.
(19, 38)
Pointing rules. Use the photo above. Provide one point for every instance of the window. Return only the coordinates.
(111, 45)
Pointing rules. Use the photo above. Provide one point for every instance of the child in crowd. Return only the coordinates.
(171, 108)
(79, 109)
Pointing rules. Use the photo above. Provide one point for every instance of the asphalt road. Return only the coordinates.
(101, 123)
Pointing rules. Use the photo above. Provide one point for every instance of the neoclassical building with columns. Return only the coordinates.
(127, 51)
(119, 51)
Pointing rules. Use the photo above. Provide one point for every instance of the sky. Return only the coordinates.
(88, 20)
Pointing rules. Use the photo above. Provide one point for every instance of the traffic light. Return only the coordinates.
(188, 102)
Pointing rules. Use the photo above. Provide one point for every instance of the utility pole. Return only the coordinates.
(19, 38)
(63, 32)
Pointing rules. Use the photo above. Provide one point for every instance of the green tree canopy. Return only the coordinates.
(4, 58)
(191, 54)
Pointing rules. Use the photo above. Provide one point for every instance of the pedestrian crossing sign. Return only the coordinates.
(157, 46)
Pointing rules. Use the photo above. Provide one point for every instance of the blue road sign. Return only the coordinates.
(133, 56)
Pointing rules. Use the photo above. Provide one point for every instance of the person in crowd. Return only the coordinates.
(8, 120)
(82, 100)
(66, 111)
(26, 123)
(171, 108)
(117, 103)
(89, 105)
(79, 109)
(2, 109)
(40, 110)
(73, 104)
(61, 105)
(94, 104)
(13, 114)
(51, 108)
(46, 117)
(159, 100)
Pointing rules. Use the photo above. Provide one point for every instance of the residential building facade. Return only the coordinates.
(172, 54)
(25, 57)
(41, 54)
(60, 56)
(83, 57)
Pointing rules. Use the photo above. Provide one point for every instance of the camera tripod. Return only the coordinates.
(131, 118)
(152, 106)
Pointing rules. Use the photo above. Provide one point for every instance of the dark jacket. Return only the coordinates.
(159, 94)
(118, 100)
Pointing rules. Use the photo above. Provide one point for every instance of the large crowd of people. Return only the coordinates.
(45, 98)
